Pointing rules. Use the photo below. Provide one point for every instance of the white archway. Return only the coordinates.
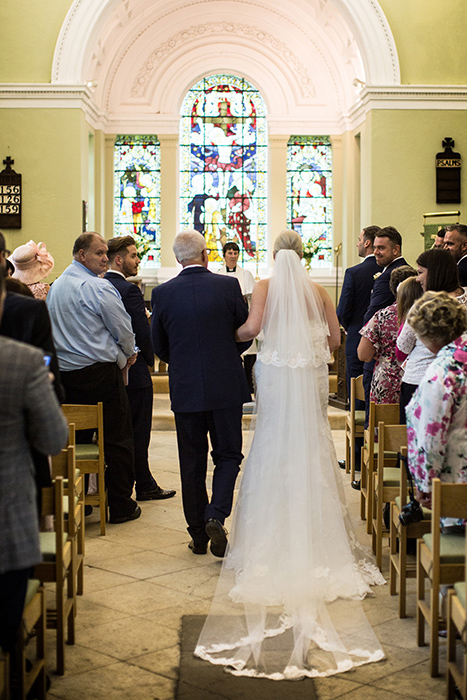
(303, 56)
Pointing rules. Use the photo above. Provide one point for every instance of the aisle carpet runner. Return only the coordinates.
(200, 680)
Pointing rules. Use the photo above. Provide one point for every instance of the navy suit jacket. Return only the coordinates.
(354, 300)
(194, 318)
(138, 376)
(381, 296)
(462, 267)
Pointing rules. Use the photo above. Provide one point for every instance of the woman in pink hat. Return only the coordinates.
(32, 263)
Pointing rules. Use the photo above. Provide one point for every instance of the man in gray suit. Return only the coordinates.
(30, 417)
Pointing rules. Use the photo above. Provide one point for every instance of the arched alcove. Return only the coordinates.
(304, 55)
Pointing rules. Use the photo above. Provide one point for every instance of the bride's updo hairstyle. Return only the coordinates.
(288, 240)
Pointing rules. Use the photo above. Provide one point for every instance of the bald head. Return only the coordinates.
(190, 248)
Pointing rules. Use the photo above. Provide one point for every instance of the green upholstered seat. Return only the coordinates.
(33, 587)
(87, 451)
(47, 545)
(360, 418)
(452, 548)
(391, 476)
(460, 592)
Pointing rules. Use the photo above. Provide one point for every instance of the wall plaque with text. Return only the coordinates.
(448, 174)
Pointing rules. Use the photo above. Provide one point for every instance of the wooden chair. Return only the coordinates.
(399, 567)
(387, 413)
(90, 456)
(441, 560)
(64, 464)
(354, 424)
(457, 622)
(57, 567)
(386, 482)
(33, 622)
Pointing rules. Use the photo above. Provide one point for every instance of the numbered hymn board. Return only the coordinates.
(10, 196)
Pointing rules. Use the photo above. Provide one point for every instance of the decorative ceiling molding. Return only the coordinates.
(198, 32)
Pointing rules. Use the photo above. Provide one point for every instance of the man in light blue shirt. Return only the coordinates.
(94, 342)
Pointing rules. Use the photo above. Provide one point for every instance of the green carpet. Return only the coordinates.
(200, 680)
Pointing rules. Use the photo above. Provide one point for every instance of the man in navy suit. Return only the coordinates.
(355, 298)
(388, 249)
(123, 263)
(194, 319)
(353, 303)
(455, 240)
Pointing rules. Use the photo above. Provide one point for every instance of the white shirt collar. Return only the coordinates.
(117, 272)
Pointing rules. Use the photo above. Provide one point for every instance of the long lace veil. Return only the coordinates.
(288, 599)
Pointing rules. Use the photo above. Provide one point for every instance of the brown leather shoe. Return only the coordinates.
(218, 536)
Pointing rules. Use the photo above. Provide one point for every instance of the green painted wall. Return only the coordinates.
(402, 170)
(46, 147)
(430, 40)
(30, 29)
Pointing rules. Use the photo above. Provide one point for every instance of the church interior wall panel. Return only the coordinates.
(46, 146)
(404, 144)
(430, 40)
(29, 35)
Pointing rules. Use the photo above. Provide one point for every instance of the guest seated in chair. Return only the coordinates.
(30, 417)
(437, 413)
(379, 335)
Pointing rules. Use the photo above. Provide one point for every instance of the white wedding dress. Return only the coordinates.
(288, 600)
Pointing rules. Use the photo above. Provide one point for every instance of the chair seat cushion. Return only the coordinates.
(65, 504)
(426, 512)
(47, 545)
(33, 587)
(360, 418)
(452, 548)
(460, 592)
(391, 476)
(87, 451)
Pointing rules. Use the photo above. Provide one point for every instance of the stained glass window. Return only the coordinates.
(223, 156)
(309, 193)
(137, 209)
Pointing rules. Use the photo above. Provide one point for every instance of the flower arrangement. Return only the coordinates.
(310, 248)
(143, 244)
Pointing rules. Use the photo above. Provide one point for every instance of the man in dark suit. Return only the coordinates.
(353, 303)
(388, 254)
(194, 319)
(455, 240)
(123, 263)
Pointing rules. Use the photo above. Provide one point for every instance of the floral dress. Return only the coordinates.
(381, 331)
(437, 419)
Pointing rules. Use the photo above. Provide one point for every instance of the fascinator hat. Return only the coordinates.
(32, 262)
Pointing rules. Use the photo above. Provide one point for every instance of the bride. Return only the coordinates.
(288, 600)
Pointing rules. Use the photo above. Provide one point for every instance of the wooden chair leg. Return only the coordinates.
(369, 499)
(420, 599)
(434, 632)
(392, 553)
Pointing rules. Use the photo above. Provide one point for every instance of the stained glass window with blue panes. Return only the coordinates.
(309, 193)
(137, 198)
(223, 156)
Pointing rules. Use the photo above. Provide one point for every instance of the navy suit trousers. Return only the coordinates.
(224, 427)
(141, 417)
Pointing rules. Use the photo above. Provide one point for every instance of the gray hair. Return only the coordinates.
(188, 245)
(288, 240)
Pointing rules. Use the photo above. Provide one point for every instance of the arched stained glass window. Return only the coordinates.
(309, 193)
(223, 156)
(137, 195)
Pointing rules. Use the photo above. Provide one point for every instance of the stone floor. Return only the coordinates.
(141, 578)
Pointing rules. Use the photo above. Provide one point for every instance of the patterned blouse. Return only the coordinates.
(39, 289)
(437, 419)
(381, 331)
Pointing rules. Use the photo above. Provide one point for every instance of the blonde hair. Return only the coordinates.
(408, 291)
(438, 316)
(288, 240)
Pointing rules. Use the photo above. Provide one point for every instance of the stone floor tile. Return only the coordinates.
(147, 564)
(164, 661)
(117, 682)
(133, 636)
